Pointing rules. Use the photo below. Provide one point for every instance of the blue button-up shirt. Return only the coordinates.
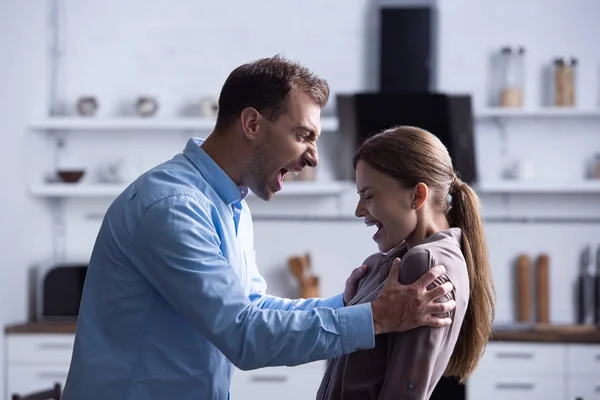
(173, 297)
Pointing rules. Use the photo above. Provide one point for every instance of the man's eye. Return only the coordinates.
(368, 197)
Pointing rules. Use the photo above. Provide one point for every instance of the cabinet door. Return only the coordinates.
(528, 358)
(515, 387)
(40, 348)
(586, 387)
(26, 378)
(583, 358)
(278, 383)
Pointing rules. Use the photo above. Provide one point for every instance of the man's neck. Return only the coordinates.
(227, 153)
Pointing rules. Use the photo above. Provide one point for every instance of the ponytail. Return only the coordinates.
(477, 325)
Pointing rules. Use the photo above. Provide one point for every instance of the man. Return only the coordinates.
(173, 297)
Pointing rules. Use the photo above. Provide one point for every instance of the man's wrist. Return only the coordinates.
(376, 317)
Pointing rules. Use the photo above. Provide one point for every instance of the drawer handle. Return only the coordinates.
(269, 378)
(55, 346)
(515, 386)
(521, 356)
(53, 375)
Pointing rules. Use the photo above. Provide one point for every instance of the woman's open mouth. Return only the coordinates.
(379, 226)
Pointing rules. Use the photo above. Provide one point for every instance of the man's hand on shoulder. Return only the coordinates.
(400, 308)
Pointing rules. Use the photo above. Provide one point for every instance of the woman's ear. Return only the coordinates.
(420, 196)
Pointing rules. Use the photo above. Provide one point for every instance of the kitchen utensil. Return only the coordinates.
(585, 285)
(597, 287)
(523, 288)
(542, 280)
(301, 269)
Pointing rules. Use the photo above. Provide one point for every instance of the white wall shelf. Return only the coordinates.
(536, 187)
(331, 188)
(550, 112)
(100, 190)
(86, 124)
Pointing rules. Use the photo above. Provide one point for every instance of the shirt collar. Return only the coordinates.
(225, 187)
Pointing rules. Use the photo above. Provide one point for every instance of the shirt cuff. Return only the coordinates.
(334, 302)
(358, 332)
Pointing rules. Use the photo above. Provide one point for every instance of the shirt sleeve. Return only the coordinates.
(412, 355)
(177, 249)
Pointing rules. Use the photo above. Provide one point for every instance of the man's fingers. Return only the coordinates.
(438, 322)
(439, 291)
(395, 271)
(431, 275)
(359, 272)
(441, 308)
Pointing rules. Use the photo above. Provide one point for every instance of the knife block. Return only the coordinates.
(307, 281)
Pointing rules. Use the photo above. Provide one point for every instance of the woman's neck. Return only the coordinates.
(427, 225)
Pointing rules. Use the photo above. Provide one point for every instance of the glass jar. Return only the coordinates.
(564, 81)
(512, 74)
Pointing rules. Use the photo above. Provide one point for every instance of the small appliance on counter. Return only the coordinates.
(59, 287)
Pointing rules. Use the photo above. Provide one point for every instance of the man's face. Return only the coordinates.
(289, 143)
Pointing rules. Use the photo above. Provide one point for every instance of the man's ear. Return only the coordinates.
(420, 195)
(250, 120)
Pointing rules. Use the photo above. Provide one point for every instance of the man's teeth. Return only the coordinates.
(293, 171)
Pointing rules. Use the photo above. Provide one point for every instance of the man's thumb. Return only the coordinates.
(396, 266)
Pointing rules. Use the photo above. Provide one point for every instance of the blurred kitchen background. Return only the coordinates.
(93, 93)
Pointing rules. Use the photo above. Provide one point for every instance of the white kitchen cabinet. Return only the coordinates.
(534, 371)
(276, 383)
(516, 386)
(584, 387)
(24, 378)
(38, 361)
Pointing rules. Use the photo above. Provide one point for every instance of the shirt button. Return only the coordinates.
(411, 385)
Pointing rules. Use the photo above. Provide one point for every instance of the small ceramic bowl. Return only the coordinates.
(70, 176)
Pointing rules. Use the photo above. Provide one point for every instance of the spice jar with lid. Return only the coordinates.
(512, 60)
(564, 81)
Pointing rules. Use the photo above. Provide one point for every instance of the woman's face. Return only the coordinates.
(386, 204)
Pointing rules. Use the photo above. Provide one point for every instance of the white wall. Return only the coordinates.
(118, 50)
(24, 223)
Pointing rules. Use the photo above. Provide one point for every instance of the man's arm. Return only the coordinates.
(412, 355)
(177, 250)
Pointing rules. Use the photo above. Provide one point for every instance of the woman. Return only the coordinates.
(426, 216)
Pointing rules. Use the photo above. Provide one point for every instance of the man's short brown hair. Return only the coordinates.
(265, 85)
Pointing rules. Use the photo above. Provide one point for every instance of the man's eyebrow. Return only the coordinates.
(364, 189)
